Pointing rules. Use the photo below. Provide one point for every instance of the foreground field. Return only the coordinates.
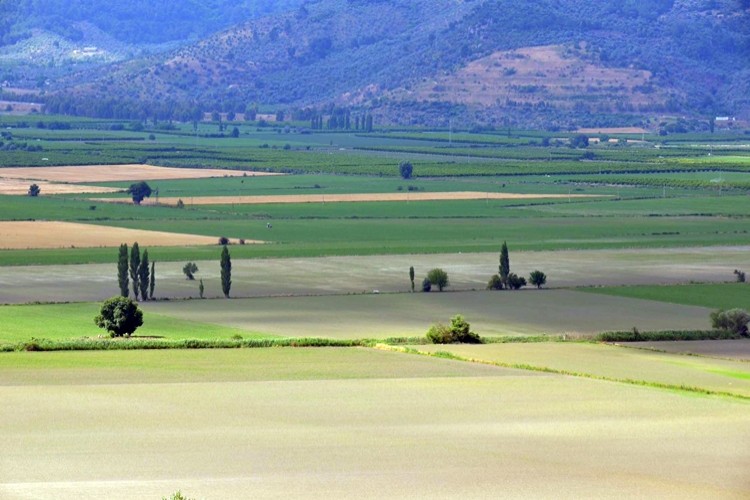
(348, 423)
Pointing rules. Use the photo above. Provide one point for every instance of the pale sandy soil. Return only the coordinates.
(113, 173)
(21, 187)
(50, 234)
(353, 197)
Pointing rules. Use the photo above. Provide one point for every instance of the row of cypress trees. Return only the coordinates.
(135, 269)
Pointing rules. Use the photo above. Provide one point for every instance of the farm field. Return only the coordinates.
(630, 235)
(348, 422)
(362, 274)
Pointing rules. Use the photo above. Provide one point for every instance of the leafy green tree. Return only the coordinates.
(119, 316)
(135, 262)
(143, 276)
(504, 264)
(34, 190)
(733, 320)
(439, 278)
(190, 269)
(515, 282)
(139, 191)
(226, 271)
(152, 283)
(122, 270)
(411, 277)
(495, 283)
(405, 169)
(537, 278)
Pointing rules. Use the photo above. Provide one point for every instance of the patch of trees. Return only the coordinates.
(508, 280)
(134, 269)
(733, 320)
(459, 331)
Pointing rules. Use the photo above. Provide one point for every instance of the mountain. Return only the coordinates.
(541, 62)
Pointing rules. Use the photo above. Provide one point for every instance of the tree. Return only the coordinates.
(34, 190)
(515, 282)
(580, 141)
(139, 191)
(201, 288)
(226, 272)
(504, 264)
(495, 283)
(739, 276)
(235, 132)
(190, 269)
(143, 276)
(426, 285)
(411, 277)
(152, 283)
(439, 278)
(537, 278)
(135, 261)
(405, 169)
(122, 270)
(733, 320)
(119, 316)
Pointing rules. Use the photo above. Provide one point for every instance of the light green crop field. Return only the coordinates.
(76, 320)
(351, 423)
(716, 295)
(614, 362)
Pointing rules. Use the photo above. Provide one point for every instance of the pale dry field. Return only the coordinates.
(21, 187)
(50, 234)
(353, 197)
(314, 432)
(113, 173)
(386, 273)
(613, 130)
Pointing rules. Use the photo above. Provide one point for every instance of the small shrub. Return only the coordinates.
(515, 282)
(426, 285)
(495, 283)
(223, 240)
(180, 203)
(739, 275)
(459, 331)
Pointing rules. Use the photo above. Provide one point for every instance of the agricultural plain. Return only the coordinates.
(632, 235)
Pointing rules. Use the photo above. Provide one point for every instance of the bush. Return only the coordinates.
(34, 190)
(495, 283)
(459, 331)
(739, 275)
(733, 320)
(223, 240)
(439, 278)
(119, 316)
(406, 169)
(515, 282)
(537, 278)
(426, 285)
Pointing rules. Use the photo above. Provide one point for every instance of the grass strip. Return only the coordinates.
(668, 335)
(544, 369)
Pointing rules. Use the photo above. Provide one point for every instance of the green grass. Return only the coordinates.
(76, 321)
(716, 296)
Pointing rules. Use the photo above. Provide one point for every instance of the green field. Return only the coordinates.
(717, 296)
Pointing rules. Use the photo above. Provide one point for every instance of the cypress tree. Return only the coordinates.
(122, 270)
(135, 261)
(152, 283)
(226, 272)
(411, 277)
(504, 264)
(143, 276)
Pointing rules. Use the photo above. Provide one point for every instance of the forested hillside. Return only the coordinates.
(419, 61)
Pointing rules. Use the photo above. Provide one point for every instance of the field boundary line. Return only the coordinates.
(555, 371)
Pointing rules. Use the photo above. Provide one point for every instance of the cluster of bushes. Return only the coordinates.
(459, 331)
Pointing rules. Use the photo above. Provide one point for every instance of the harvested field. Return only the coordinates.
(113, 173)
(21, 187)
(50, 234)
(731, 349)
(354, 197)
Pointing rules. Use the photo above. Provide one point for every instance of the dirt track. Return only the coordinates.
(42, 234)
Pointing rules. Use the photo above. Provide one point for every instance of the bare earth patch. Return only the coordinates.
(21, 187)
(43, 234)
(353, 197)
(112, 173)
